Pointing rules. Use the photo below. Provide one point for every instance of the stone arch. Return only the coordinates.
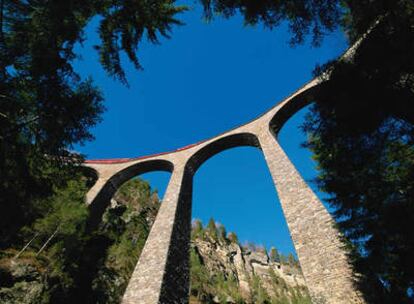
(220, 145)
(102, 199)
(91, 174)
(290, 108)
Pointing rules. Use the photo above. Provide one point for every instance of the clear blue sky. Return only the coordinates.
(204, 80)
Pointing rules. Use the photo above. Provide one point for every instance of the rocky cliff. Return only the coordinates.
(223, 271)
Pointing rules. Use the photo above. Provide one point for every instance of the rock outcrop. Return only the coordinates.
(23, 283)
(223, 271)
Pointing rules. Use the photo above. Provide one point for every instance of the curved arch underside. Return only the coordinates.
(107, 190)
(220, 145)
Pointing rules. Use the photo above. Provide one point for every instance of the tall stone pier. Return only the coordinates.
(162, 273)
(318, 244)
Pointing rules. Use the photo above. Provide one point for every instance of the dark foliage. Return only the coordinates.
(361, 131)
(313, 17)
(124, 25)
(45, 107)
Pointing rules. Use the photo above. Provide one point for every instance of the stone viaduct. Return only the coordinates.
(162, 272)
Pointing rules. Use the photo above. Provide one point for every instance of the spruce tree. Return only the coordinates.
(212, 228)
(222, 234)
(274, 255)
(232, 237)
(197, 228)
(45, 106)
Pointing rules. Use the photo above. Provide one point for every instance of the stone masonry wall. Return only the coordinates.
(161, 274)
(320, 251)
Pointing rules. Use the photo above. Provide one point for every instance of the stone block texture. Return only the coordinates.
(162, 272)
(318, 244)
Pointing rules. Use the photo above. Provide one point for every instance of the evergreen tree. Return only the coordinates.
(222, 234)
(127, 227)
(283, 259)
(232, 237)
(258, 293)
(197, 228)
(199, 276)
(45, 106)
(292, 260)
(274, 255)
(212, 228)
(66, 217)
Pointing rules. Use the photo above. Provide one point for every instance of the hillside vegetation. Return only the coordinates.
(56, 259)
(63, 263)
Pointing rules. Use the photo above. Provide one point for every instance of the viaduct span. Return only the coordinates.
(162, 272)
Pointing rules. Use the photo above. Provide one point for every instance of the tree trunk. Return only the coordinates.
(48, 240)
(25, 247)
